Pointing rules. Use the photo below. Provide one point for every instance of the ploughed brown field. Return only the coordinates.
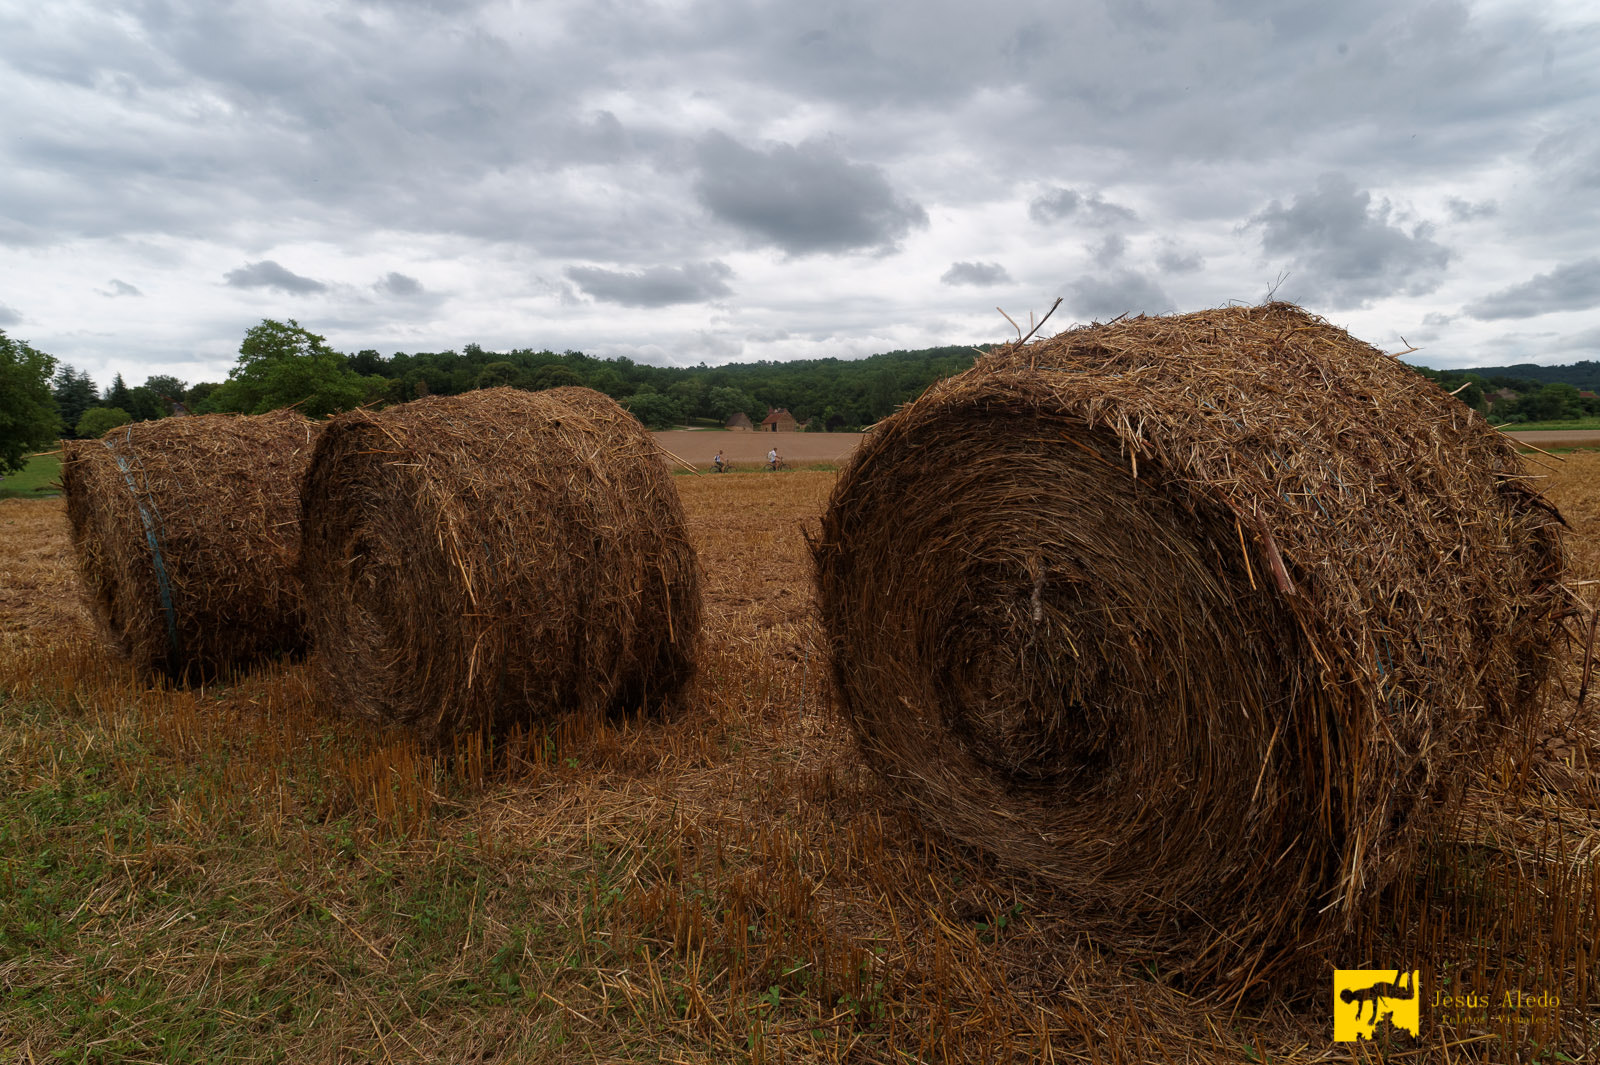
(1557, 438)
(747, 450)
(254, 878)
(804, 449)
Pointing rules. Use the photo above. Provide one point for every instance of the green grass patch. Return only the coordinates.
(153, 908)
(39, 479)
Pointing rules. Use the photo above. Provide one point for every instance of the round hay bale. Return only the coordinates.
(479, 560)
(1190, 616)
(187, 535)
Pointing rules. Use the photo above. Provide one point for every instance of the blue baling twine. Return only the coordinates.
(162, 584)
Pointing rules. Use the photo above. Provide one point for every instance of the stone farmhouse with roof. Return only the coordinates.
(779, 420)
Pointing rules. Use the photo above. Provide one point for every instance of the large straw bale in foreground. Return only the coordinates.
(479, 560)
(187, 534)
(1191, 616)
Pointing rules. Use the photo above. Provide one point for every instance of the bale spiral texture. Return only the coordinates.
(481, 560)
(1190, 616)
(187, 533)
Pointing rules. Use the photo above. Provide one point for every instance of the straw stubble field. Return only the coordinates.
(220, 874)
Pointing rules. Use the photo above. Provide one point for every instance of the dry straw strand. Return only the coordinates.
(187, 534)
(479, 561)
(1043, 587)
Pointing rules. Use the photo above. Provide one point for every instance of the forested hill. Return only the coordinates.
(282, 364)
(1584, 375)
(836, 393)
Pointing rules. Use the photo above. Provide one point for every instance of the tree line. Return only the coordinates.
(1553, 394)
(283, 364)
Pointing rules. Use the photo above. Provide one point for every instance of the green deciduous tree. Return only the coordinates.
(197, 399)
(1553, 403)
(497, 375)
(167, 388)
(725, 402)
(28, 418)
(281, 365)
(654, 410)
(97, 421)
(144, 405)
(367, 362)
(554, 377)
(610, 382)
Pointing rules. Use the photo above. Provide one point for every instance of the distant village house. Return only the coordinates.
(779, 420)
(740, 422)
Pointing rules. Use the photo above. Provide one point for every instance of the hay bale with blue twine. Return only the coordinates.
(1203, 620)
(187, 534)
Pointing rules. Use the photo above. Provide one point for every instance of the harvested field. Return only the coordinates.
(39, 598)
(224, 875)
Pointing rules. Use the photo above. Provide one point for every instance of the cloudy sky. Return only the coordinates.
(710, 181)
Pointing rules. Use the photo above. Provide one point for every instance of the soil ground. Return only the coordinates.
(750, 449)
(1554, 438)
(804, 449)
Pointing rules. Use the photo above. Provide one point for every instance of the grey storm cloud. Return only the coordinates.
(399, 286)
(1572, 155)
(8, 316)
(1059, 205)
(1104, 296)
(1345, 251)
(268, 274)
(1110, 250)
(1572, 287)
(1175, 260)
(658, 286)
(1467, 211)
(981, 274)
(804, 198)
(116, 287)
